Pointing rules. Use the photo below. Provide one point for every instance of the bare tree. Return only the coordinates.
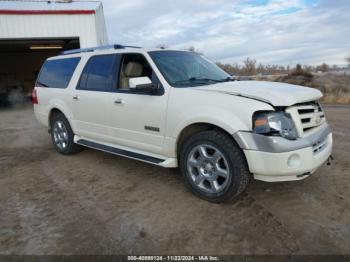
(191, 48)
(347, 59)
(302, 71)
(162, 46)
(298, 68)
(194, 49)
(323, 68)
(249, 66)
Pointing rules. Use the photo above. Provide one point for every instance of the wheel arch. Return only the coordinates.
(55, 111)
(197, 127)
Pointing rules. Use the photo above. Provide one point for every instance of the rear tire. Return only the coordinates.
(62, 136)
(213, 166)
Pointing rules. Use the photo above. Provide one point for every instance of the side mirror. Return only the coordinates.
(141, 83)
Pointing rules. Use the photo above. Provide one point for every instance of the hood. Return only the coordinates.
(274, 93)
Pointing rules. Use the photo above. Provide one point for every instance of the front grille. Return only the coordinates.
(307, 116)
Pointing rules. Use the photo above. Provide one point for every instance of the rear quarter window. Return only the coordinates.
(57, 73)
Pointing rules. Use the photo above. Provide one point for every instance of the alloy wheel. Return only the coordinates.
(60, 135)
(208, 168)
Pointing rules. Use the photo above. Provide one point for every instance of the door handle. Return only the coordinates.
(76, 97)
(119, 101)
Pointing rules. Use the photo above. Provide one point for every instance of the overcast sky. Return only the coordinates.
(271, 31)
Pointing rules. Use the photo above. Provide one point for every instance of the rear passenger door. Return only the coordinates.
(92, 98)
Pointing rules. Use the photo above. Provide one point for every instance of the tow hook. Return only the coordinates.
(330, 158)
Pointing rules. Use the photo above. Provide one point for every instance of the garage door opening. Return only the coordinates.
(20, 63)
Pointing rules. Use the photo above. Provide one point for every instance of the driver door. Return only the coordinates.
(138, 118)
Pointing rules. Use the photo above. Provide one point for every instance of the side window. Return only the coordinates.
(57, 73)
(133, 65)
(99, 73)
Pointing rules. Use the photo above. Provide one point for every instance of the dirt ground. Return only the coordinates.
(97, 203)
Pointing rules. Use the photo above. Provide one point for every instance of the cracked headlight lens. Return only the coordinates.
(274, 124)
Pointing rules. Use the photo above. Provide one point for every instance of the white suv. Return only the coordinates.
(176, 108)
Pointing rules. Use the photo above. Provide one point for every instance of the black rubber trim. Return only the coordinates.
(305, 174)
(120, 152)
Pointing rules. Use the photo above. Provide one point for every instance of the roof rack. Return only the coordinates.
(92, 49)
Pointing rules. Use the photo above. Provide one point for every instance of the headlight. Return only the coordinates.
(274, 123)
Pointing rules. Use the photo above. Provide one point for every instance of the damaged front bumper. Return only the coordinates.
(274, 159)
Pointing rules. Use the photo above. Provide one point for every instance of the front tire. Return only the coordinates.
(213, 166)
(62, 136)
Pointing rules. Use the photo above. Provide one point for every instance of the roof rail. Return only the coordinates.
(91, 49)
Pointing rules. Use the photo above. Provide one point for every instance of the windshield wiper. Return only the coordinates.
(194, 80)
(228, 79)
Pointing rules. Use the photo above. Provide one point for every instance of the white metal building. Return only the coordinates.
(31, 31)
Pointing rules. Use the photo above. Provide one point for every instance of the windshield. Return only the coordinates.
(184, 69)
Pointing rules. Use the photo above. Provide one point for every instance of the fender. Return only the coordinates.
(60, 105)
(219, 117)
(210, 115)
(230, 113)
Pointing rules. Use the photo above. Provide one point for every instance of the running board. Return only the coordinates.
(120, 152)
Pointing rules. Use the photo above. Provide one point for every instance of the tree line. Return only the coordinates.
(250, 67)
